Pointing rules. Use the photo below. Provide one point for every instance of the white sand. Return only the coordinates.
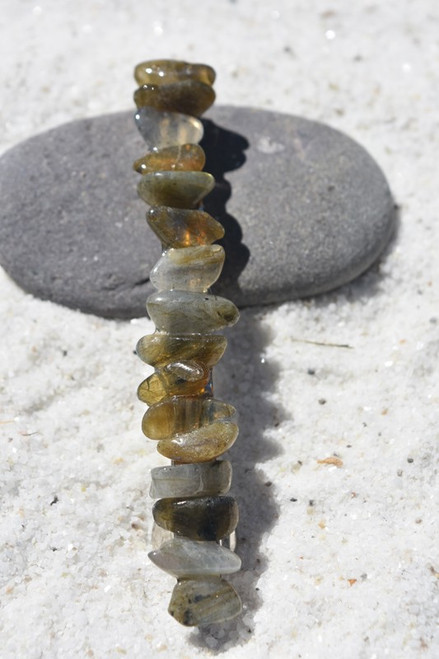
(355, 573)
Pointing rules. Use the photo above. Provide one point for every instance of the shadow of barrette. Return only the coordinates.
(245, 354)
(224, 151)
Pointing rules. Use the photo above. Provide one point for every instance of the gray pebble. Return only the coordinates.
(305, 208)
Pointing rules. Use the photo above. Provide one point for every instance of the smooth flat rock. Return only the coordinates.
(305, 209)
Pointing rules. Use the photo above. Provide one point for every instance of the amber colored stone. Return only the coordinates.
(166, 382)
(181, 415)
(189, 371)
(177, 227)
(204, 601)
(188, 97)
(183, 312)
(165, 71)
(201, 445)
(185, 157)
(200, 518)
(160, 349)
(188, 268)
(177, 189)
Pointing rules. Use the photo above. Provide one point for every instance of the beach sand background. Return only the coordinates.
(336, 464)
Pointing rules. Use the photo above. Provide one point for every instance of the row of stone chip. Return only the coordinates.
(176, 87)
(193, 513)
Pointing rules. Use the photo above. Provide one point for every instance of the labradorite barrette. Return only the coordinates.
(194, 517)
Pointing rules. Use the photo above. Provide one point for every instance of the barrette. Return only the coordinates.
(194, 517)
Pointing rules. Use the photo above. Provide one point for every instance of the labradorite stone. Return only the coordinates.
(204, 601)
(177, 189)
(201, 518)
(161, 71)
(188, 96)
(186, 157)
(162, 129)
(181, 415)
(187, 558)
(183, 312)
(189, 480)
(178, 227)
(201, 445)
(306, 209)
(189, 268)
(160, 349)
(165, 383)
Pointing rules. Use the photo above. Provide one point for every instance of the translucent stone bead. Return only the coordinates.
(189, 268)
(177, 227)
(190, 371)
(180, 415)
(166, 71)
(204, 601)
(201, 518)
(168, 382)
(188, 96)
(159, 536)
(177, 189)
(163, 129)
(160, 349)
(186, 157)
(190, 480)
(200, 445)
(182, 312)
(182, 558)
